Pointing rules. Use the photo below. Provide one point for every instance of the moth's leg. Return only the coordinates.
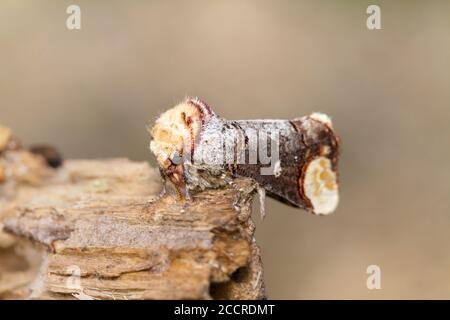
(163, 191)
(187, 195)
(188, 200)
(179, 193)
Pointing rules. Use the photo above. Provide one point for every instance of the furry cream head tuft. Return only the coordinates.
(174, 132)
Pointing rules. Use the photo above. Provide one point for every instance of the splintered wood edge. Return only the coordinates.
(102, 220)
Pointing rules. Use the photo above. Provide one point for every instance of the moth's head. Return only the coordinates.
(320, 177)
(176, 130)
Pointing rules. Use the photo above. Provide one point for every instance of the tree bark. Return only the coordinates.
(99, 230)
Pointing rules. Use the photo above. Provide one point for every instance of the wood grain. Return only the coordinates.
(105, 218)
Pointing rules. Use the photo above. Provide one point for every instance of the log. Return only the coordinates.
(98, 229)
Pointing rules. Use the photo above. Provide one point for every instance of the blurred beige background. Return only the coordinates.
(91, 93)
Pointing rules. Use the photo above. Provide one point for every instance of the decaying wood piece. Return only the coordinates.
(103, 220)
(18, 168)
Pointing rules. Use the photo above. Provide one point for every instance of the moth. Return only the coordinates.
(294, 161)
